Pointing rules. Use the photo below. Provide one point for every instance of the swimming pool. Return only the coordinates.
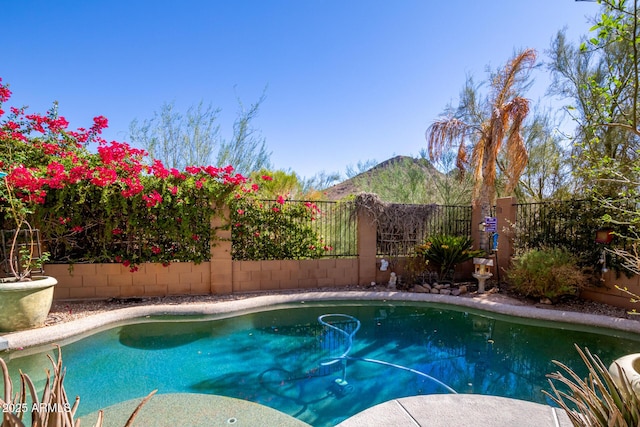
(275, 357)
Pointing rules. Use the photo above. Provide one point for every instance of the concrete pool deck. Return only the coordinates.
(433, 410)
(440, 410)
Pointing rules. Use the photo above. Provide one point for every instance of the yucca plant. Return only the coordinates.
(54, 409)
(596, 401)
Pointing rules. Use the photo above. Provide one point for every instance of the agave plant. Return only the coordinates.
(597, 400)
(53, 409)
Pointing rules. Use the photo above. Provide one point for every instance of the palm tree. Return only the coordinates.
(497, 124)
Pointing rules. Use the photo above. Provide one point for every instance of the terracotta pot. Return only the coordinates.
(25, 304)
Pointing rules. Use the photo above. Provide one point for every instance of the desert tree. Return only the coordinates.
(548, 172)
(600, 80)
(597, 81)
(247, 149)
(194, 138)
(179, 140)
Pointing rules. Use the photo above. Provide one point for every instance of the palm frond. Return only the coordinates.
(444, 134)
(516, 151)
(505, 81)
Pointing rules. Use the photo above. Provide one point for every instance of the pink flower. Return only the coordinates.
(5, 93)
(153, 199)
(177, 174)
(100, 122)
(158, 169)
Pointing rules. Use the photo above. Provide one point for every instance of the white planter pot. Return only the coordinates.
(25, 304)
(630, 365)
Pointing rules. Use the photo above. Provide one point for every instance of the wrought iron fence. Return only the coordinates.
(573, 225)
(280, 231)
(570, 224)
(442, 220)
(338, 226)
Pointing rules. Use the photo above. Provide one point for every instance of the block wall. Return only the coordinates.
(102, 281)
(607, 292)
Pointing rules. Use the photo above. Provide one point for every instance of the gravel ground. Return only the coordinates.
(65, 311)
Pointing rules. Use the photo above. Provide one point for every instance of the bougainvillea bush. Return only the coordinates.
(113, 205)
(276, 229)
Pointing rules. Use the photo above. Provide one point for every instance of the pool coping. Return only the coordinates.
(495, 304)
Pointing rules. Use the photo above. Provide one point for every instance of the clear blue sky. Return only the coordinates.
(346, 80)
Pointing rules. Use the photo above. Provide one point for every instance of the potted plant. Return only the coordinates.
(25, 299)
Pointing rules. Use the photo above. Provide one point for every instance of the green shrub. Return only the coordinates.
(445, 252)
(280, 229)
(550, 273)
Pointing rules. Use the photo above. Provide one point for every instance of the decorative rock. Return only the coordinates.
(435, 291)
(445, 291)
(420, 289)
(438, 287)
(455, 292)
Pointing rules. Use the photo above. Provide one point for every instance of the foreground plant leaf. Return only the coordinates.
(597, 400)
(54, 396)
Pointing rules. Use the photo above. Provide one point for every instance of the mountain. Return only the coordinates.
(362, 182)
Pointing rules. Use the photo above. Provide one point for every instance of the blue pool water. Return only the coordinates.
(276, 357)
